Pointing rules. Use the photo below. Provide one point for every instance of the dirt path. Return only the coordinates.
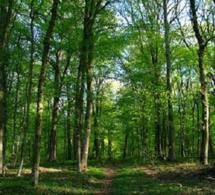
(106, 187)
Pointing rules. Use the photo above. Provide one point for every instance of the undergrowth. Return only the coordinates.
(131, 177)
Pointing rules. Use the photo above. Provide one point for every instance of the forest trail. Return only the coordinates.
(106, 187)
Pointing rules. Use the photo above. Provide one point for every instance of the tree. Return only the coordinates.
(29, 85)
(92, 9)
(171, 155)
(58, 83)
(202, 44)
(5, 18)
(40, 92)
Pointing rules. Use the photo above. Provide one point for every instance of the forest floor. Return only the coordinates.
(114, 178)
(107, 187)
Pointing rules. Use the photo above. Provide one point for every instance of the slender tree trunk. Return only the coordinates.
(2, 102)
(40, 92)
(182, 115)
(85, 67)
(182, 131)
(92, 9)
(89, 109)
(5, 16)
(13, 163)
(205, 111)
(143, 132)
(199, 129)
(58, 80)
(96, 139)
(55, 111)
(193, 130)
(79, 95)
(68, 127)
(88, 123)
(28, 91)
(171, 156)
(203, 90)
(96, 125)
(158, 131)
(156, 96)
(164, 136)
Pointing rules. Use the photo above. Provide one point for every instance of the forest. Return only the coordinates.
(91, 89)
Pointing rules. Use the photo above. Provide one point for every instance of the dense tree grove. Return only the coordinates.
(106, 79)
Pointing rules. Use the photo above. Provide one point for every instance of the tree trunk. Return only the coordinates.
(13, 160)
(205, 111)
(28, 93)
(40, 92)
(96, 139)
(5, 16)
(55, 111)
(182, 115)
(193, 130)
(158, 148)
(171, 154)
(86, 59)
(164, 140)
(96, 115)
(89, 109)
(68, 127)
(199, 129)
(156, 96)
(182, 130)
(203, 90)
(79, 95)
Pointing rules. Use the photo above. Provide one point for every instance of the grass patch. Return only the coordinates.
(130, 177)
(55, 179)
(168, 178)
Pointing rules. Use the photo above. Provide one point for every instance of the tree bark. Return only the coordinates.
(157, 104)
(92, 8)
(96, 139)
(40, 92)
(68, 127)
(89, 109)
(203, 89)
(171, 153)
(29, 90)
(5, 17)
(97, 113)
(79, 95)
(14, 145)
(55, 111)
(198, 128)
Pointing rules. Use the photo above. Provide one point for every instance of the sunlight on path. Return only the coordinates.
(106, 187)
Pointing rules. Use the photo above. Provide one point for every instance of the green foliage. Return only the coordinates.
(129, 74)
